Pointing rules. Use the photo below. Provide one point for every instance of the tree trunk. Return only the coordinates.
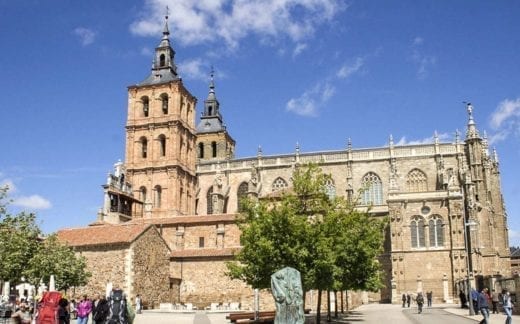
(328, 306)
(342, 302)
(335, 304)
(318, 309)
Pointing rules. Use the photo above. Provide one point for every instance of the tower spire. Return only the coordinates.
(472, 131)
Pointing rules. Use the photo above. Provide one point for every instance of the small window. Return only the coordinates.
(241, 195)
(201, 242)
(146, 106)
(214, 149)
(158, 196)
(162, 145)
(436, 233)
(142, 194)
(209, 199)
(162, 60)
(201, 150)
(417, 232)
(144, 147)
(330, 189)
(164, 101)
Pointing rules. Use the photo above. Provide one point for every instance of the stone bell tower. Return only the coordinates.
(160, 138)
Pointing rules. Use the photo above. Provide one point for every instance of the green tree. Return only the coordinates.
(19, 239)
(58, 259)
(333, 245)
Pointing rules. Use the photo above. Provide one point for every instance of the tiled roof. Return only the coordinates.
(197, 253)
(195, 219)
(102, 234)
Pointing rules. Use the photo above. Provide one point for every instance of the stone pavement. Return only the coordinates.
(371, 313)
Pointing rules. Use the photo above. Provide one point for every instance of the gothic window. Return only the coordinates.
(146, 106)
(201, 150)
(201, 242)
(279, 184)
(330, 189)
(416, 181)
(241, 195)
(162, 60)
(214, 149)
(144, 147)
(417, 232)
(142, 194)
(162, 145)
(210, 201)
(158, 196)
(372, 190)
(164, 103)
(436, 231)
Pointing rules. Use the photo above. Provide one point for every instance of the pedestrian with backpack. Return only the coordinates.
(84, 309)
(420, 302)
(100, 310)
(120, 312)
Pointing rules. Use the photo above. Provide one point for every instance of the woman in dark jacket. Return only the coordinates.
(63, 311)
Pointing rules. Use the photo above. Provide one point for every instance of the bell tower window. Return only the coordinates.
(164, 101)
(162, 145)
(146, 106)
(144, 147)
(201, 150)
(162, 60)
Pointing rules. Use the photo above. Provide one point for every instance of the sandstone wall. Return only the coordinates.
(150, 264)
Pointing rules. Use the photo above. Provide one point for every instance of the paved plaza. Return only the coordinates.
(372, 313)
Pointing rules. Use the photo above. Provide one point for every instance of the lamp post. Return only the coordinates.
(470, 224)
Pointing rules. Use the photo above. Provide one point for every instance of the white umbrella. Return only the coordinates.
(52, 284)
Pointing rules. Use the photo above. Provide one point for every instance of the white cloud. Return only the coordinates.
(347, 70)
(194, 69)
(311, 101)
(85, 35)
(505, 120)
(299, 49)
(145, 51)
(32, 202)
(229, 21)
(443, 137)
(423, 62)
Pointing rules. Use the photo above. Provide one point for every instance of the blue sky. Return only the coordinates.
(314, 72)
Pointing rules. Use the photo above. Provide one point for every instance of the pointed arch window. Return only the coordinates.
(158, 196)
(417, 232)
(279, 184)
(372, 190)
(241, 195)
(144, 147)
(164, 103)
(209, 199)
(436, 234)
(330, 189)
(416, 181)
(146, 106)
(162, 145)
(214, 149)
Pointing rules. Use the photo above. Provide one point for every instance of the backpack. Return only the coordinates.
(48, 308)
(117, 307)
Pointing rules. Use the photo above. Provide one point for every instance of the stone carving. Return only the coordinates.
(286, 286)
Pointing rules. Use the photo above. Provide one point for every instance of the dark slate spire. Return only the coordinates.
(211, 119)
(163, 67)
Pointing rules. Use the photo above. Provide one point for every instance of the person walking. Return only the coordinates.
(138, 303)
(483, 305)
(408, 300)
(84, 308)
(100, 309)
(404, 299)
(507, 304)
(420, 301)
(494, 301)
(429, 296)
(463, 299)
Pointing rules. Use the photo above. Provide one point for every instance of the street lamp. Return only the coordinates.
(471, 223)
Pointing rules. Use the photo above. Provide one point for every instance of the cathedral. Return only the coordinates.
(167, 226)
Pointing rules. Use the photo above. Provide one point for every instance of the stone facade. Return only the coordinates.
(186, 182)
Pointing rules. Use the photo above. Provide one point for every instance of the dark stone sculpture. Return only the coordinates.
(286, 286)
